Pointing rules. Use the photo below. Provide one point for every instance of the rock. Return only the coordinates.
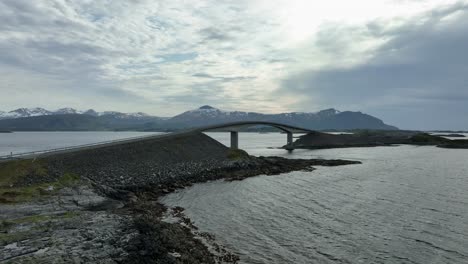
(175, 254)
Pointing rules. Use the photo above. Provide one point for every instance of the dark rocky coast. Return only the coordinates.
(451, 135)
(100, 205)
(319, 140)
(455, 144)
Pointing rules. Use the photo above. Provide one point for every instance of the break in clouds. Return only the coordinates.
(402, 61)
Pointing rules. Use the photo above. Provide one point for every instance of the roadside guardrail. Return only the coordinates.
(76, 147)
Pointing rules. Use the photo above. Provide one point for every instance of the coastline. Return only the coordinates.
(182, 241)
(102, 205)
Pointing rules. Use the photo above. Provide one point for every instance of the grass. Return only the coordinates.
(13, 171)
(32, 192)
(8, 238)
(237, 154)
(42, 218)
(5, 225)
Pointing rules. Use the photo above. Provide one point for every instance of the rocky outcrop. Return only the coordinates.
(75, 225)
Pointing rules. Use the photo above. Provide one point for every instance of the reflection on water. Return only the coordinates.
(404, 204)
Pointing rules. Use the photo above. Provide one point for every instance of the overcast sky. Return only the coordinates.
(404, 61)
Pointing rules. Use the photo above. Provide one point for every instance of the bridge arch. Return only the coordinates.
(235, 127)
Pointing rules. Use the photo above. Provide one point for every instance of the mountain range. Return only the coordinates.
(37, 111)
(30, 119)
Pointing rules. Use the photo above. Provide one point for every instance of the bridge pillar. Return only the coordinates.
(234, 140)
(290, 137)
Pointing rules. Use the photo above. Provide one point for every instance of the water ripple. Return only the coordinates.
(402, 205)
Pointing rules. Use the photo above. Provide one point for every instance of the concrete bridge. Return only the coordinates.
(235, 127)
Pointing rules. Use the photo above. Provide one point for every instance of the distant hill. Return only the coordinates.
(71, 119)
(53, 123)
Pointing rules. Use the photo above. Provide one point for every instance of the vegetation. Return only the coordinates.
(237, 154)
(40, 218)
(14, 171)
(8, 238)
(14, 176)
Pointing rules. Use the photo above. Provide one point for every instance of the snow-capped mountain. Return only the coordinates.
(24, 112)
(325, 119)
(209, 115)
(67, 110)
(328, 112)
(91, 112)
(31, 112)
(209, 111)
(114, 114)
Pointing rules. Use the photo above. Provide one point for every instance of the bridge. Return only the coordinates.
(234, 128)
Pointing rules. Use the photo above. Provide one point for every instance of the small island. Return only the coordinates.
(373, 138)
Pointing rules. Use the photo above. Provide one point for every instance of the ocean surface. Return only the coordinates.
(405, 204)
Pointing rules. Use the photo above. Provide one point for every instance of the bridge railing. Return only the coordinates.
(75, 147)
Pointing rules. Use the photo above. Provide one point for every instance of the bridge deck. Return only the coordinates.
(238, 126)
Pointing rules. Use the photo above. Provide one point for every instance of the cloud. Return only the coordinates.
(222, 78)
(214, 34)
(163, 57)
(417, 74)
(138, 48)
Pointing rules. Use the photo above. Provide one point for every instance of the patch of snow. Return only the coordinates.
(27, 112)
(138, 114)
(67, 110)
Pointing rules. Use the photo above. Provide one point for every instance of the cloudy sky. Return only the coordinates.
(404, 61)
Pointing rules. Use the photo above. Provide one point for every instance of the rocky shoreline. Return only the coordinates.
(102, 205)
(180, 239)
